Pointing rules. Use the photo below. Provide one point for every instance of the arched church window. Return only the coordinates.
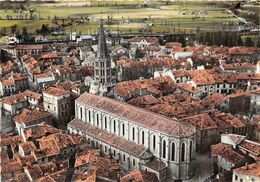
(114, 123)
(164, 149)
(80, 117)
(133, 133)
(123, 129)
(182, 152)
(97, 117)
(154, 142)
(142, 137)
(105, 122)
(89, 116)
(191, 150)
(173, 151)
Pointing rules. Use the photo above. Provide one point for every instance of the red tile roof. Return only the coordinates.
(56, 91)
(251, 146)
(44, 75)
(236, 138)
(85, 176)
(29, 47)
(13, 77)
(243, 50)
(256, 91)
(226, 152)
(251, 170)
(19, 177)
(111, 139)
(232, 120)
(156, 165)
(161, 85)
(201, 121)
(108, 168)
(27, 116)
(136, 115)
(151, 40)
(150, 63)
(173, 44)
(59, 176)
(139, 176)
(52, 145)
(214, 99)
(84, 158)
(174, 105)
(27, 146)
(8, 66)
(12, 166)
(52, 55)
(21, 97)
(31, 94)
(40, 131)
(188, 88)
(239, 93)
(11, 140)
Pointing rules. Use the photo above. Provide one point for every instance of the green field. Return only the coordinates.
(180, 15)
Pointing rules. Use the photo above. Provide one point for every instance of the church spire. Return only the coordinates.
(102, 45)
(102, 71)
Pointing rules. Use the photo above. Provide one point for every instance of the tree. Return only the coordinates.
(219, 38)
(3, 31)
(239, 40)
(21, 6)
(249, 42)
(258, 44)
(14, 28)
(207, 38)
(44, 29)
(4, 56)
(225, 40)
(24, 32)
(182, 40)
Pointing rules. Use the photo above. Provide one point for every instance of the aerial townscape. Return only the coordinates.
(130, 91)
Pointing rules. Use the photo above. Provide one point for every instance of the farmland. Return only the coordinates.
(127, 16)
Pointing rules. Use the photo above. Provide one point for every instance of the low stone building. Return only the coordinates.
(31, 117)
(20, 49)
(233, 152)
(212, 124)
(58, 102)
(247, 173)
(14, 103)
(255, 102)
(137, 175)
(156, 87)
(13, 83)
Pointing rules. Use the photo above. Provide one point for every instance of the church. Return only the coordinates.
(139, 139)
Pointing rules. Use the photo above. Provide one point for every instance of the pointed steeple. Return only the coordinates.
(102, 45)
(102, 71)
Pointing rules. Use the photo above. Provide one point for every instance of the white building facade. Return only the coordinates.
(247, 173)
(125, 129)
(255, 102)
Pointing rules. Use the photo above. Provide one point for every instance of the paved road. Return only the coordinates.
(203, 169)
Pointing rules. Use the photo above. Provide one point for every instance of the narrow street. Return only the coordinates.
(203, 168)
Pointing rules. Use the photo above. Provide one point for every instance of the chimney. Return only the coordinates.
(246, 165)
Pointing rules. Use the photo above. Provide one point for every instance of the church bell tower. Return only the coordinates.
(103, 62)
